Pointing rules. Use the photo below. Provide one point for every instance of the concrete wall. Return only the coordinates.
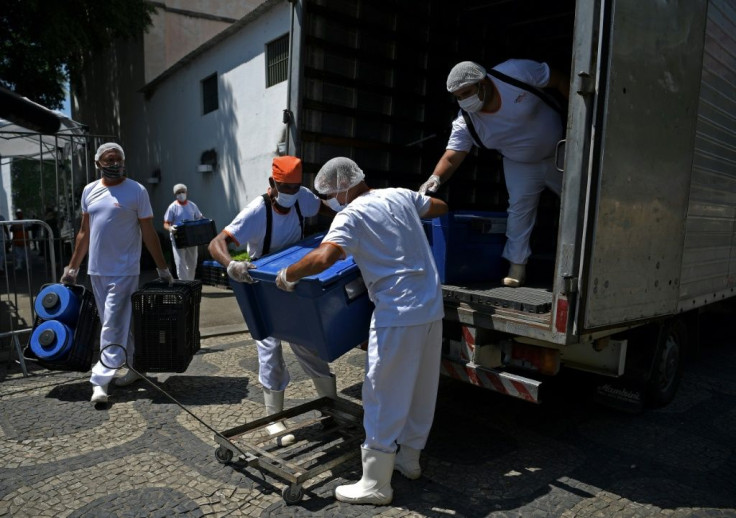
(180, 26)
(244, 131)
(164, 130)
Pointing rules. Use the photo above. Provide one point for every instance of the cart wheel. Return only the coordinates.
(223, 455)
(292, 494)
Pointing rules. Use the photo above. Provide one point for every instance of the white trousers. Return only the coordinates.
(186, 261)
(525, 183)
(400, 386)
(112, 296)
(272, 371)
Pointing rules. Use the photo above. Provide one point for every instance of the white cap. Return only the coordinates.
(179, 186)
(463, 74)
(337, 175)
(107, 146)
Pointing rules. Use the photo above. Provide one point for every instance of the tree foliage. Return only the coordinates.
(45, 42)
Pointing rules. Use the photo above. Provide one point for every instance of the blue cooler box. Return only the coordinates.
(467, 246)
(329, 312)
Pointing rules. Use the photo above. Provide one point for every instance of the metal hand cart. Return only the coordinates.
(328, 437)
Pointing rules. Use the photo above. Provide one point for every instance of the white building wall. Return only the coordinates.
(245, 130)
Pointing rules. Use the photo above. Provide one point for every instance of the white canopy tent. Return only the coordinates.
(19, 142)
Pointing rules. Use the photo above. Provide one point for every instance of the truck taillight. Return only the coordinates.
(561, 315)
(542, 359)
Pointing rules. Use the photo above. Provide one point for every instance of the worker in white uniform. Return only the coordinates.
(382, 230)
(288, 203)
(180, 210)
(116, 215)
(522, 127)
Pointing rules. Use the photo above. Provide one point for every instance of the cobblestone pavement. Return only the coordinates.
(488, 455)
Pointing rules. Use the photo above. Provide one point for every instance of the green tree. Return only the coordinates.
(45, 42)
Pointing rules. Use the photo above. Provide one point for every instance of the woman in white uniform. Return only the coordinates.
(382, 230)
(180, 210)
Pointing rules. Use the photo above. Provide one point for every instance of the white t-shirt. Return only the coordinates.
(178, 212)
(524, 129)
(382, 231)
(249, 227)
(114, 229)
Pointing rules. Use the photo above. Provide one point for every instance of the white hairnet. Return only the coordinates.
(463, 74)
(107, 146)
(179, 186)
(337, 175)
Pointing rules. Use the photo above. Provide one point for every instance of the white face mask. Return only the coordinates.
(473, 103)
(286, 200)
(181, 197)
(334, 204)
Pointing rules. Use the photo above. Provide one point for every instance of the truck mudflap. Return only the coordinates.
(499, 381)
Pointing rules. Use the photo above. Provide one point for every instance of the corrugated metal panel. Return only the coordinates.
(709, 258)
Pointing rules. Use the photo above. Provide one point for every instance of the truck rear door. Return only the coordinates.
(649, 64)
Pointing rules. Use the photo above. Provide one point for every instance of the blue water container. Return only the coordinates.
(51, 340)
(329, 312)
(57, 302)
(467, 245)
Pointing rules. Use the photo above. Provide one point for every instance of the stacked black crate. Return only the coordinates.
(166, 325)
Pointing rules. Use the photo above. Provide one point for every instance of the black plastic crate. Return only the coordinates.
(214, 274)
(194, 233)
(86, 336)
(166, 325)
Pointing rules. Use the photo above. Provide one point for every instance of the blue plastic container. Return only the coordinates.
(467, 246)
(57, 302)
(51, 340)
(329, 312)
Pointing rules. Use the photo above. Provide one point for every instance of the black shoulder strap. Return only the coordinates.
(548, 99)
(269, 224)
(471, 129)
(301, 218)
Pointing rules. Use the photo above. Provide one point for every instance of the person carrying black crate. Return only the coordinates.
(116, 217)
(269, 223)
(382, 230)
(506, 110)
(181, 210)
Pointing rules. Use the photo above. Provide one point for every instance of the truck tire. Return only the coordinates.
(667, 365)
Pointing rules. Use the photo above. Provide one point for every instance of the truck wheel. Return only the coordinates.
(667, 367)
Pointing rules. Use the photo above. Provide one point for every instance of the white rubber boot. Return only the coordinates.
(274, 400)
(326, 386)
(516, 276)
(99, 394)
(375, 485)
(407, 462)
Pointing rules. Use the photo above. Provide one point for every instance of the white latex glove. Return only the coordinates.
(431, 185)
(238, 271)
(172, 229)
(165, 275)
(282, 283)
(69, 276)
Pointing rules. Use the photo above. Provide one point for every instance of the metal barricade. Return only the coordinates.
(30, 264)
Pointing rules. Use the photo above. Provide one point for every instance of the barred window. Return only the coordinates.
(277, 60)
(209, 94)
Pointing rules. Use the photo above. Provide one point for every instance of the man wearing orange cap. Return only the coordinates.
(288, 204)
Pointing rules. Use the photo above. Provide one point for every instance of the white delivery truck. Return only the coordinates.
(643, 236)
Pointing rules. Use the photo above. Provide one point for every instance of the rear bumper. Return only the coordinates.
(498, 381)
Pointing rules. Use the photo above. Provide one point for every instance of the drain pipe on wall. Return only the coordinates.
(288, 115)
